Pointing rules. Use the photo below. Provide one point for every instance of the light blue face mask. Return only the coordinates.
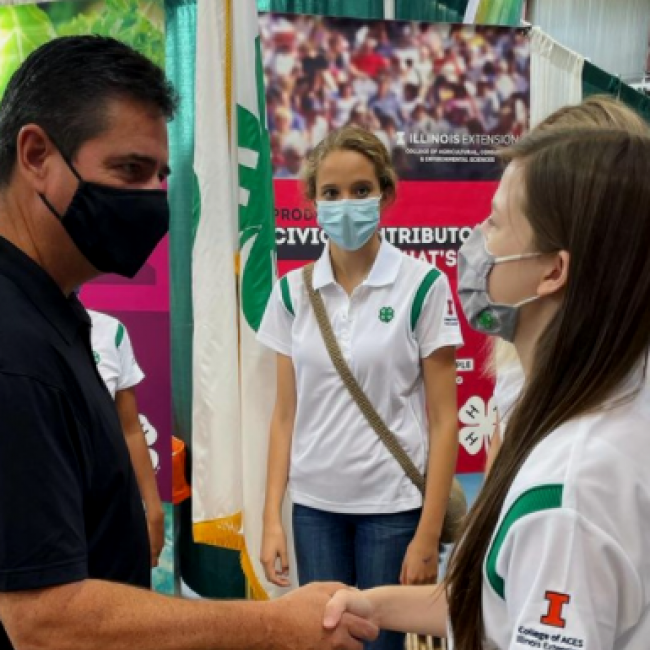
(349, 223)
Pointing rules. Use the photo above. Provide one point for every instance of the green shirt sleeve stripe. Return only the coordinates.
(421, 295)
(544, 497)
(286, 294)
(119, 335)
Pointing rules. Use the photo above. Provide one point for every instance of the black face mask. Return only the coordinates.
(115, 229)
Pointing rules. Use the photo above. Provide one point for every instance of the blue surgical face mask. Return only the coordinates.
(349, 223)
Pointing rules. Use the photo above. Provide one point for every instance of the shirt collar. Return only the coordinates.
(323, 273)
(383, 272)
(64, 314)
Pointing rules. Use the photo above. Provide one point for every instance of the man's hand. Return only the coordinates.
(303, 612)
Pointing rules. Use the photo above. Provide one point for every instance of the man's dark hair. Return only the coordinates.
(65, 86)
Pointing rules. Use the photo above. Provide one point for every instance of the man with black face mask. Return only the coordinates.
(83, 156)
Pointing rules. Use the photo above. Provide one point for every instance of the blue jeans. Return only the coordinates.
(362, 550)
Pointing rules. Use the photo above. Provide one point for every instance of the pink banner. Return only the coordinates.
(142, 305)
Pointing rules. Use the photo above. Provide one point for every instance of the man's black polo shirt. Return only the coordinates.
(70, 508)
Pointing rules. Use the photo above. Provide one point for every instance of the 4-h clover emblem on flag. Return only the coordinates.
(479, 420)
(386, 314)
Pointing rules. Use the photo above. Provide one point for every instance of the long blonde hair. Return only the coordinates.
(597, 111)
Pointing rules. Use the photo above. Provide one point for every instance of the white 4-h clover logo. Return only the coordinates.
(150, 435)
(479, 420)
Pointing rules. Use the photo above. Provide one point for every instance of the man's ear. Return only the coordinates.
(34, 155)
(556, 275)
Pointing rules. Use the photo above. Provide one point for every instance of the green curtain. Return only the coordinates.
(211, 572)
(490, 12)
(347, 8)
(596, 81)
(433, 11)
(502, 12)
(180, 29)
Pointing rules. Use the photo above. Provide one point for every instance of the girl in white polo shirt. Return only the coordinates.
(357, 517)
(555, 553)
(121, 373)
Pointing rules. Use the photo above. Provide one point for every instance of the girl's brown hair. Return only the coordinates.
(587, 193)
(351, 138)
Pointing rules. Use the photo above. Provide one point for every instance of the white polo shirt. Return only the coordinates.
(400, 314)
(569, 564)
(113, 353)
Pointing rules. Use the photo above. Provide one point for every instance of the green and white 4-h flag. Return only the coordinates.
(233, 271)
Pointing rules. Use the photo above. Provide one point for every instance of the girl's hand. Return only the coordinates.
(274, 553)
(348, 600)
(156, 529)
(420, 566)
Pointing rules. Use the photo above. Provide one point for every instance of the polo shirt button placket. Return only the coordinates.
(345, 336)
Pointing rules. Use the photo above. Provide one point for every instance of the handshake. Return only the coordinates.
(322, 616)
(331, 616)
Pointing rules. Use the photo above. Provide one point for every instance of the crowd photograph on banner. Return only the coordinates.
(411, 84)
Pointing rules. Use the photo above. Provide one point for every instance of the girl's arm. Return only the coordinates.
(413, 609)
(274, 543)
(127, 409)
(439, 371)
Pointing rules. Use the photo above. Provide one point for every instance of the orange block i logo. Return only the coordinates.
(556, 603)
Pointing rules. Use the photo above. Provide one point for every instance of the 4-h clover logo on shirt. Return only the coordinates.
(386, 314)
(488, 320)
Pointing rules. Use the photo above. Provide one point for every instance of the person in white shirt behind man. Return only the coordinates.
(117, 365)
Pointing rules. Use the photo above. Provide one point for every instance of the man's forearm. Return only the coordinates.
(96, 615)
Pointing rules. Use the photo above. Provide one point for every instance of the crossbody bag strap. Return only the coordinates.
(356, 392)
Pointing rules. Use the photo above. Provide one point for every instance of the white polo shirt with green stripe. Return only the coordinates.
(569, 564)
(113, 353)
(401, 313)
